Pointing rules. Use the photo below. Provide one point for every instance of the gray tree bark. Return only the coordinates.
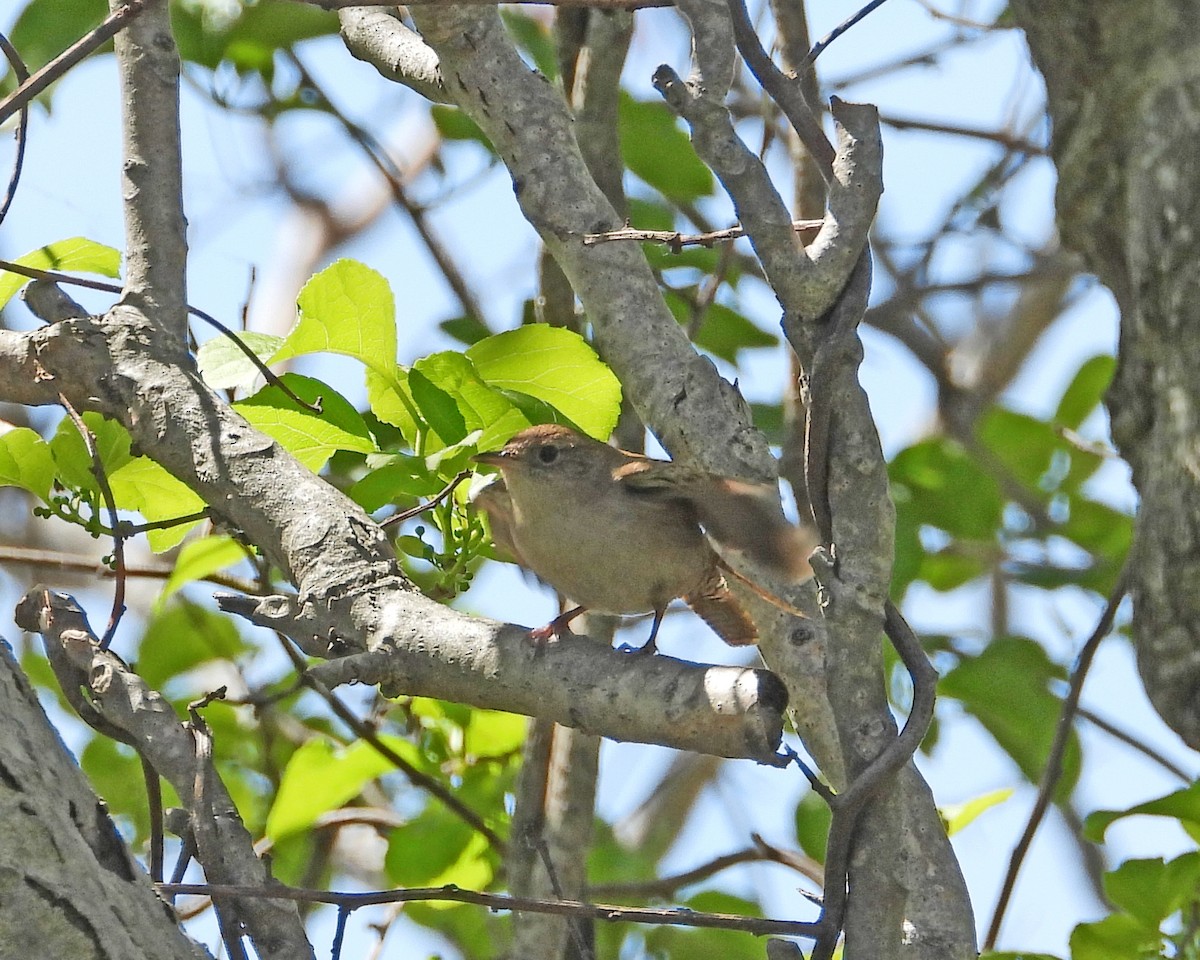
(68, 886)
(1124, 97)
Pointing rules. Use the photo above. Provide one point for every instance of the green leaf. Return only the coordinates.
(708, 944)
(199, 558)
(1085, 391)
(1098, 528)
(400, 477)
(347, 308)
(724, 332)
(116, 774)
(454, 124)
(1151, 890)
(1006, 687)
(46, 28)
(956, 816)
(183, 636)
(390, 400)
(812, 825)
(26, 462)
(455, 401)
(556, 366)
(1024, 444)
(226, 367)
(941, 486)
(492, 733)
(311, 438)
(1116, 937)
(950, 568)
(533, 36)
(320, 777)
(466, 330)
(438, 848)
(74, 464)
(659, 152)
(1182, 805)
(144, 486)
(208, 35)
(78, 254)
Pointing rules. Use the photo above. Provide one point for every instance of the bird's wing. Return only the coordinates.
(739, 514)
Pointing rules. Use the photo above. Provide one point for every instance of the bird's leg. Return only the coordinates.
(649, 646)
(557, 627)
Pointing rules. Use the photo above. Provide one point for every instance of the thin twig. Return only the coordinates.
(428, 504)
(118, 605)
(1133, 742)
(22, 74)
(30, 88)
(69, 561)
(1053, 770)
(363, 731)
(395, 181)
(784, 90)
(758, 926)
(820, 46)
(677, 240)
(1010, 141)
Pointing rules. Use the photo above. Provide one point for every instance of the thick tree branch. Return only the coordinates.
(675, 391)
(129, 710)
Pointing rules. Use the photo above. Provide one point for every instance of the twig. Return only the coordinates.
(784, 90)
(54, 276)
(204, 811)
(761, 852)
(395, 181)
(428, 504)
(820, 46)
(133, 529)
(364, 732)
(69, 561)
(22, 74)
(1010, 141)
(676, 240)
(30, 88)
(335, 951)
(1053, 770)
(118, 605)
(1133, 742)
(758, 926)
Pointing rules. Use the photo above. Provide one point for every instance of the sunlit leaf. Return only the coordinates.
(26, 462)
(310, 437)
(957, 816)
(556, 366)
(321, 777)
(200, 558)
(225, 367)
(77, 254)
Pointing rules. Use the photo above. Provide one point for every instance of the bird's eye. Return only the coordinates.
(548, 453)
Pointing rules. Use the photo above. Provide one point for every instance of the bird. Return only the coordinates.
(622, 533)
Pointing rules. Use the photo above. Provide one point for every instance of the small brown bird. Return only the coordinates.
(621, 533)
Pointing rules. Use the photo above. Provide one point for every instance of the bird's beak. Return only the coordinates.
(495, 459)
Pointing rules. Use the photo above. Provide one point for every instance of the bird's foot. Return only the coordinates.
(557, 628)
